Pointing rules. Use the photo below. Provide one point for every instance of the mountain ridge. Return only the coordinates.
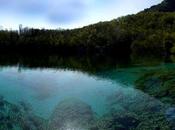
(164, 6)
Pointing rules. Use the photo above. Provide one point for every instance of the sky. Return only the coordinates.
(54, 14)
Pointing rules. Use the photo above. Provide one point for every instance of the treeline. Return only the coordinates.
(146, 33)
(101, 38)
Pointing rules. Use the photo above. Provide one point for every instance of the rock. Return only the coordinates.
(170, 115)
(71, 114)
(128, 122)
(113, 121)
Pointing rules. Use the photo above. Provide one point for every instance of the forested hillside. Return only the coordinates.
(146, 33)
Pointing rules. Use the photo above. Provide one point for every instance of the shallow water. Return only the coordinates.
(106, 92)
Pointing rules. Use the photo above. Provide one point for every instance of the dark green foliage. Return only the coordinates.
(153, 33)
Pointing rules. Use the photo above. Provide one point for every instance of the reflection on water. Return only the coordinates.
(69, 94)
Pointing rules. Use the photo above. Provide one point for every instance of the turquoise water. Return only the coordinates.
(66, 97)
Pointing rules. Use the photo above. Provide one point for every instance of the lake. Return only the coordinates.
(55, 93)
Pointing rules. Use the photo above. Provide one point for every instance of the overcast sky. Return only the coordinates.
(66, 13)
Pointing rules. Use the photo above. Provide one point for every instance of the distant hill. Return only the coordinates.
(165, 6)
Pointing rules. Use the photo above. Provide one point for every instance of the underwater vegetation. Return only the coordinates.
(159, 84)
(124, 114)
(18, 117)
(128, 112)
(74, 114)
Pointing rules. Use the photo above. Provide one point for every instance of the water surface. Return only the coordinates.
(61, 98)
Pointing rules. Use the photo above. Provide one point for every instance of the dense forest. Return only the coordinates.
(150, 32)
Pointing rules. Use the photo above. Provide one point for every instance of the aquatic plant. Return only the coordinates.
(14, 117)
(138, 110)
(159, 84)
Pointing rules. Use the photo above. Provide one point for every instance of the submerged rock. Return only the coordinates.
(71, 114)
(117, 122)
(170, 115)
(131, 121)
